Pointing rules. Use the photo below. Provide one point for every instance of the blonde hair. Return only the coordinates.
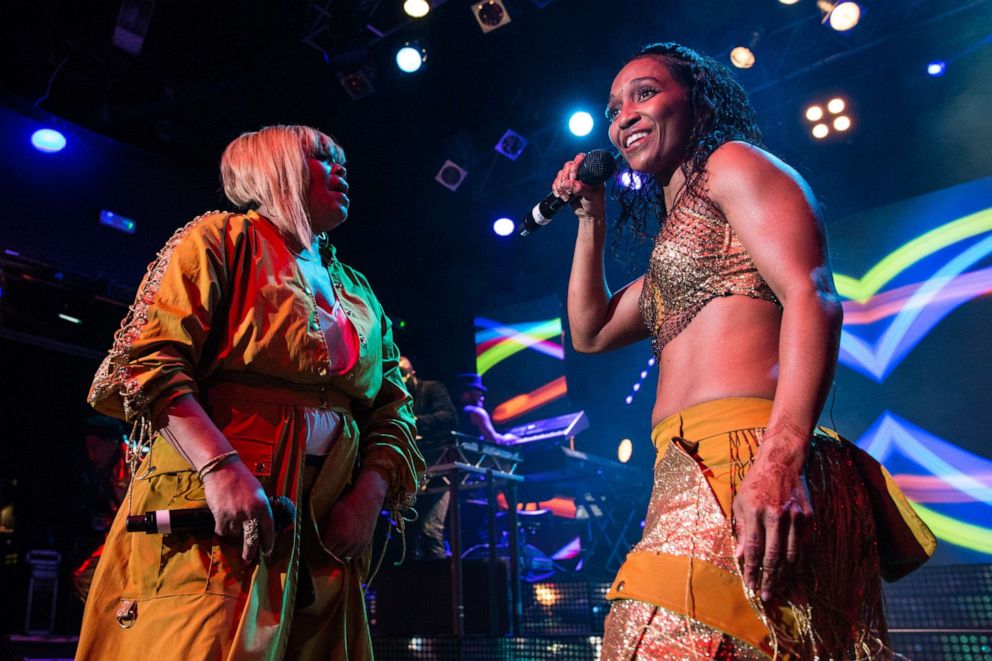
(268, 168)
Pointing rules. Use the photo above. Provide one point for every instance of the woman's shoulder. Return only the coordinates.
(739, 154)
(736, 165)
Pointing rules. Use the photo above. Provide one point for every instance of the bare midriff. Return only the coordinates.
(730, 349)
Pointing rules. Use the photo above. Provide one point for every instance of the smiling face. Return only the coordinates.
(327, 195)
(650, 117)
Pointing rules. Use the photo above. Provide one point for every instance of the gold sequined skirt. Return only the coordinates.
(679, 594)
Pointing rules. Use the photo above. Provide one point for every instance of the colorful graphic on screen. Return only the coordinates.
(522, 361)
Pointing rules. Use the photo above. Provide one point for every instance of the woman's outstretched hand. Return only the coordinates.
(590, 200)
(774, 517)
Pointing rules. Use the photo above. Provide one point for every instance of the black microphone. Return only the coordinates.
(595, 168)
(200, 519)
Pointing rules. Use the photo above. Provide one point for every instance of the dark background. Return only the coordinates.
(145, 133)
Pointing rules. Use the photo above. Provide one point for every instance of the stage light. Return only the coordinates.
(490, 15)
(788, 2)
(624, 450)
(511, 145)
(546, 594)
(822, 116)
(814, 113)
(629, 399)
(416, 8)
(70, 318)
(409, 58)
(357, 83)
(48, 141)
(504, 226)
(937, 68)
(116, 221)
(581, 123)
(451, 175)
(742, 57)
(843, 16)
(631, 180)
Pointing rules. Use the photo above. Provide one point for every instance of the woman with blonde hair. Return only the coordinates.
(254, 365)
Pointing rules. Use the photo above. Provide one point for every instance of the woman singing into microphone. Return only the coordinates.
(739, 304)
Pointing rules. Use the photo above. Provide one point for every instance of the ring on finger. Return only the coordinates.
(251, 532)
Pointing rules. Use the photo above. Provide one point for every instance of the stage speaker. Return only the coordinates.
(415, 598)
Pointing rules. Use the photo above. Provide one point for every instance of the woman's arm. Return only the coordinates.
(233, 494)
(598, 320)
(150, 372)
(774, 213)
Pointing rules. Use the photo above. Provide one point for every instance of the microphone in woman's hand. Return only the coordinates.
(200, 519)
(598, 166)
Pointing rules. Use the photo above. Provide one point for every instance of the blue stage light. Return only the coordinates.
(631, 180)
(409, 59)
(48, 141)
(937, 68)
(504, 226)
(581, 123)
(116, 221)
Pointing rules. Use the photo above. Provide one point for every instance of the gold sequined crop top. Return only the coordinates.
(697, 257)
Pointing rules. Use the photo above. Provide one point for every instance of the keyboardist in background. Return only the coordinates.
(436, 416)
(475, 418)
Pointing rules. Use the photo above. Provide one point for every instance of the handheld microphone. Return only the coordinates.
(595, 168)
(200, 519)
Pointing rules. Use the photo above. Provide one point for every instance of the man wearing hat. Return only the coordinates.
(475, 418)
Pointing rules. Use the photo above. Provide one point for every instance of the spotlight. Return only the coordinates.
(742, 57)
(546, 594)
(629, 399)
(490, 15)
(118, 222)
(409, 58)
(624, 450)
(937, 68)
(511, 145)
(357, 84)
(632, 180)
(824, 115)
(842, 15)
(504, 227)
(788, 2)
(48, 141)
(416, 8)
(451, 175)
(580, 123)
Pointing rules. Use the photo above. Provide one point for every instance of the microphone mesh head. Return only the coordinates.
(598, 166)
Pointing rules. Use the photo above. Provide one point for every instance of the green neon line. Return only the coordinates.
(956, 532)
(511, 345)
(902, 258)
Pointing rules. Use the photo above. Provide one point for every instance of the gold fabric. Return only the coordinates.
(224, 314)
(697, 257)
(679, 593)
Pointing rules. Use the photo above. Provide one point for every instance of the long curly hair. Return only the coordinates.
(721, 113)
